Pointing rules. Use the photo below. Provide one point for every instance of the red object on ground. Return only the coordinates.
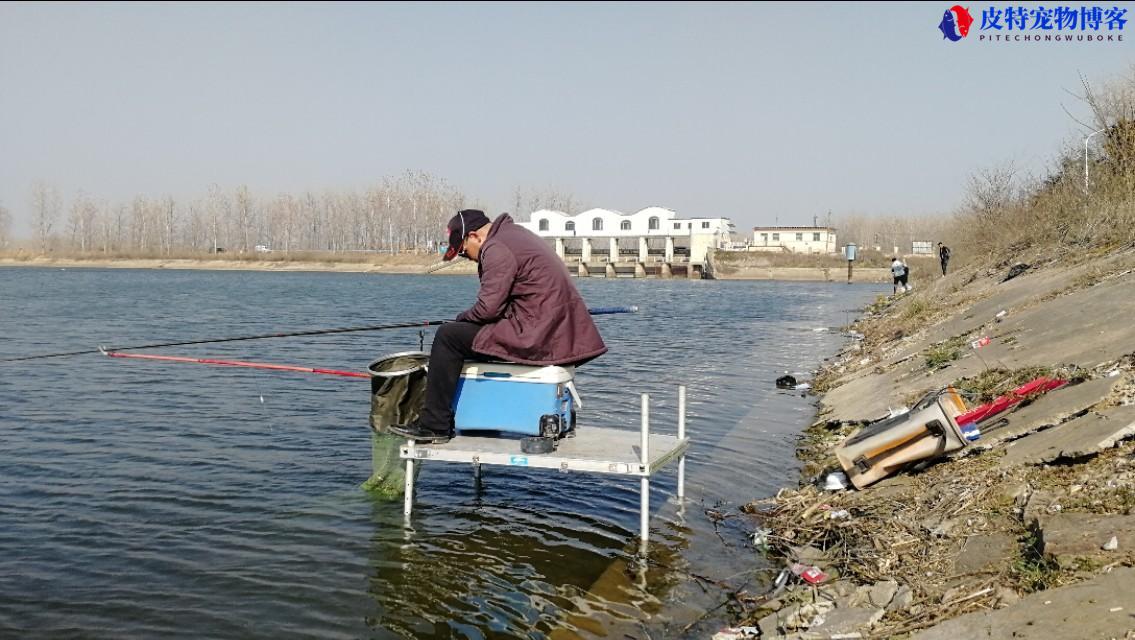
(810, 574)
(1040, 385)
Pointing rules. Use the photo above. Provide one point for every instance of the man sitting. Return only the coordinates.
(528, 311)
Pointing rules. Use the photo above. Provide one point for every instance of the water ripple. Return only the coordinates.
(140, 499)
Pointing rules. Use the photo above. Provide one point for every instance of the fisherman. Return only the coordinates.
(528, 311)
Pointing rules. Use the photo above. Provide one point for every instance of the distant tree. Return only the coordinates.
(219, 208)
(169, 224)
(406, 212)
(82, 222)
(194, 231)
(140, 223)
(45, 211)
(525, 201)
(5, 227)
(245, 216)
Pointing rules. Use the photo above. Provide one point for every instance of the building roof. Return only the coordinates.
(657, 211)
(793, 228)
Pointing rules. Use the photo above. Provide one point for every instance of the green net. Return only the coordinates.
(397, 393)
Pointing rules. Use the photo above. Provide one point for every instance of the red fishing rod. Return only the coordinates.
(235, 363)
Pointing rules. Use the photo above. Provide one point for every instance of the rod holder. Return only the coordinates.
(408, 501)
(681, 436)
(644, 503)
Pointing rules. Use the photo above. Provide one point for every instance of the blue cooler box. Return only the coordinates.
(515, 398)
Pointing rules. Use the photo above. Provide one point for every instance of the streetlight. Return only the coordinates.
(1086, 157)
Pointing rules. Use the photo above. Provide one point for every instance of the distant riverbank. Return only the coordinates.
(401, 264)
(765, 269)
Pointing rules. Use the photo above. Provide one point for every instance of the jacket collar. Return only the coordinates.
(500, 221)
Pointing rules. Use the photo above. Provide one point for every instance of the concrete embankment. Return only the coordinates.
(1029, 532)
(814, 274)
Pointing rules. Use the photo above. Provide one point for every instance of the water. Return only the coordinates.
(144, 499)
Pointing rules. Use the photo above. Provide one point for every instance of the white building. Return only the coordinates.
(654, 235)
(650, 222)
(794, 239)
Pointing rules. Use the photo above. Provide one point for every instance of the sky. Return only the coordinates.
(763, 113)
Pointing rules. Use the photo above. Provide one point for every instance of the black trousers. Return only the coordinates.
(453, 344)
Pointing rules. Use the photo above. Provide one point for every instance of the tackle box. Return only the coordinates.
(515, 398)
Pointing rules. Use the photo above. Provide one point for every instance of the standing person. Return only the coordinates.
(943, 256)
(527, 311)
(899, 273)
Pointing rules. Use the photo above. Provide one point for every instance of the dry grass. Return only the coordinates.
(913, 535)
(1060, 218)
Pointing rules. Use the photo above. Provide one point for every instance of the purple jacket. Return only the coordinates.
(531, 310)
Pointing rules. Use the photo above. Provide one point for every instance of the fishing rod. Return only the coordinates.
(236, 363)
(314, 332)
(598, 311)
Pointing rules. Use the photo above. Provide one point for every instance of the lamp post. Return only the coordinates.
(1086, 157)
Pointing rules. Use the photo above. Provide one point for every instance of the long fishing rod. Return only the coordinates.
(313, 332)
(238, 363)
(212, 340)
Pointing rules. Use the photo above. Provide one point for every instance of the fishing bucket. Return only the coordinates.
(397, 394)
(927, 431)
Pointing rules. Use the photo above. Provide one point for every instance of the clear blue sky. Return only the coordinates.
(758, 112)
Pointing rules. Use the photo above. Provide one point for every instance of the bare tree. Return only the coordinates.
(139, 223)
(82, 222)
(45, 209)
(891, 232)
(528, 200)
(5, 227)
(219, 208)
(406, 212)
(169, 223)
(194, 231)
(244, 216)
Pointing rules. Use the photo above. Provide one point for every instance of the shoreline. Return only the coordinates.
(1035, 521)
(401, 265)
(415, 265)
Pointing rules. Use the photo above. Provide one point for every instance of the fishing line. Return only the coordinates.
(597, 311)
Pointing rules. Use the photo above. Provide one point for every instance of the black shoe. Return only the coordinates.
(415, 431)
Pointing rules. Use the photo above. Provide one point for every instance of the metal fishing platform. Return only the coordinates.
(594, 450)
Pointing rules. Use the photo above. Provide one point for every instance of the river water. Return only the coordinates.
(146, 499)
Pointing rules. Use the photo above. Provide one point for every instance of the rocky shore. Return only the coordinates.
(1028, 532)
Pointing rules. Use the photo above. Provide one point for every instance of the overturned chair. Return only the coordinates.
(929, 430)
